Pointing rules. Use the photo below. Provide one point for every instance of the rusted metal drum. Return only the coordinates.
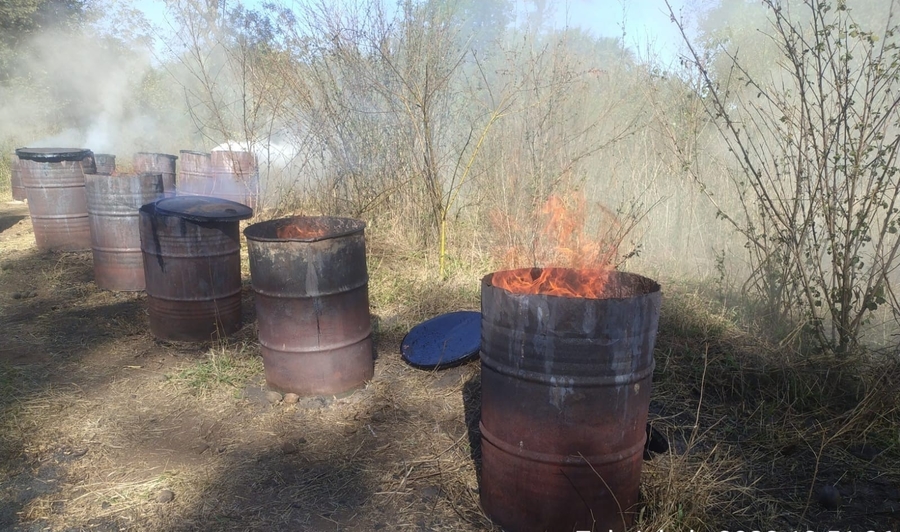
(192, 266)
(105, 163)
(312, 303)
(193, 174)
(235, 176)
(54, 186)
(18, 189)
(565, 394)
(113, 203)
(157, 163)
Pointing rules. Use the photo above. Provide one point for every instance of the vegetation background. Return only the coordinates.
(756, 176)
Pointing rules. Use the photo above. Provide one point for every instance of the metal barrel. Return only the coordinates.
(15, 177)
(57, 202)
(192, 272)
(310, 284)
(112, 204)
(565, 395)
(234, 176)
(157, 163)
(193, 174)
(105, 163)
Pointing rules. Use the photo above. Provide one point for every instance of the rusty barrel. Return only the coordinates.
(193, 174)
(15, 178)
(234, 176)
(565, 394)
(157, 163)
(310, 283)
(113, 203)
(105, 163)
(192, 266)
(54, 186)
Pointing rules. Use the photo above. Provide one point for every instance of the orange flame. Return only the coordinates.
(575, 265)
(564, 282)
(309, 230)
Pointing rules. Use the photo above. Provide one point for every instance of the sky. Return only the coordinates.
(648, 30)
(646, 23)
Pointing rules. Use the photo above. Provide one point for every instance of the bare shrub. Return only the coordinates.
(816, 146)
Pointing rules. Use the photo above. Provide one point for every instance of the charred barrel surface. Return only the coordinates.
(54, 186)
(18, 189)
(157, 163)
(311, 289)
(192, 266)
(565, 394)
(113, 203)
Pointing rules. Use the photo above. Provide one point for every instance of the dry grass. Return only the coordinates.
(97, 419)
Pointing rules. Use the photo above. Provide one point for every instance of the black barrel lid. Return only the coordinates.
(443, 341)
(203, 209)
(52, 155)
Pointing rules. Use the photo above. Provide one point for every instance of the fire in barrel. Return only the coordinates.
(567, 364)
(312, 303)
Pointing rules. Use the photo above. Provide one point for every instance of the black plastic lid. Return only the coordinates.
(203, 209)
(52, 155)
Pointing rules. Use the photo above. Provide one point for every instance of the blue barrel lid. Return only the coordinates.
(52, 155)
(203, 209)
(443, 341)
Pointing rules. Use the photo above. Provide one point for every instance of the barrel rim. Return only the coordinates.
(52, 155)
(267, 231)
(128, 175)
(193, 152)
(648, 285)
(169, 155)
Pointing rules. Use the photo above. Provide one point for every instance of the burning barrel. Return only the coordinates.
(15, 178)
(57, 202)
(312, 303)
(113, 203)
(565, 393)
(192, 266)
(157, 163)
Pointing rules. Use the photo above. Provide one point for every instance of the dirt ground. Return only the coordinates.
(103, 427)
(106, 428)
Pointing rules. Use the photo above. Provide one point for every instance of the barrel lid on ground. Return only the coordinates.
(443, 341)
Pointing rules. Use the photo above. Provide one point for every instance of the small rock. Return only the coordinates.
(165, 496)
(289, 447)
(829, 497)
(291, 398)
(273, 397)
(430, 493)
(200, 448)
(105, 505)
(864, 451)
